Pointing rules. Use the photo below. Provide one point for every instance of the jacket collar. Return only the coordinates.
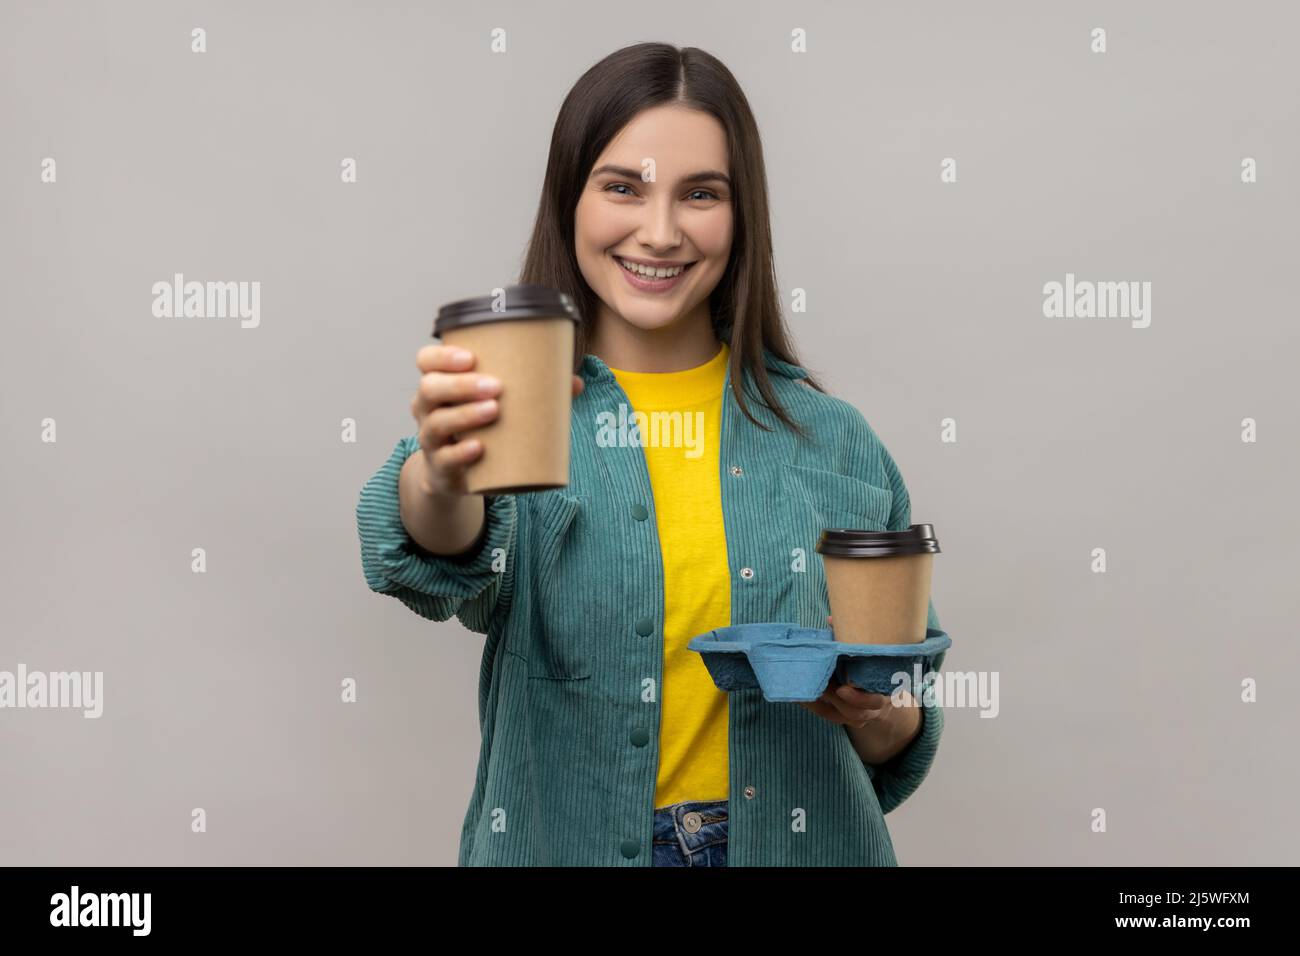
(593, 369)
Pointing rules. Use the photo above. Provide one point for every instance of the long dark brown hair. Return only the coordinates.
(744, 307)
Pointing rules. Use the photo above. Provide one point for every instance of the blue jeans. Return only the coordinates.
(691, 833)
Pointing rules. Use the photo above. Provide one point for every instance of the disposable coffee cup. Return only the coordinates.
(524, 337)
(879, 583)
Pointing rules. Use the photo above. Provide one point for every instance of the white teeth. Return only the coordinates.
(650, 272)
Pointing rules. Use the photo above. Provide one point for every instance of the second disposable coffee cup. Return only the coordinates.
(879, 583)
(524, 337)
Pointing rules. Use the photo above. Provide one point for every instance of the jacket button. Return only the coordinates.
(746, 573)
(645, 627)
(630, 848)
(639, 512)
(640, 737)
(749, 793)
(737, 470)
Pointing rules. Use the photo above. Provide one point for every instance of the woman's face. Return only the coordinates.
(683, 217)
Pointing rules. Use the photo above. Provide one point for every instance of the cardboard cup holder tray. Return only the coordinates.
(792, 663)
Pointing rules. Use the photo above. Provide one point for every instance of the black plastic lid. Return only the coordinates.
(849, 543)
(519, 302)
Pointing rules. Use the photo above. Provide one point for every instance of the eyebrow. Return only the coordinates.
(705, 176)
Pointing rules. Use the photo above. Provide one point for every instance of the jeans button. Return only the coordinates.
(692, 822)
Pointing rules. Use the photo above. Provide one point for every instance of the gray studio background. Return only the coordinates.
(222, 690)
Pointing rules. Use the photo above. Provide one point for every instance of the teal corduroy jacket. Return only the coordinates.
(568, 589)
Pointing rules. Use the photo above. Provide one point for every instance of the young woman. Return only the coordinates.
(604, 740)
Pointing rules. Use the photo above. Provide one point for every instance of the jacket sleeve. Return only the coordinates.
(898, 778)
(475, 587)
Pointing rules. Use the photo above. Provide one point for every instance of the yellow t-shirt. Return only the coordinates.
(680, 436)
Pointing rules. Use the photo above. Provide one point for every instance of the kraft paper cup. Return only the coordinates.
(879, 583)
(525, 338)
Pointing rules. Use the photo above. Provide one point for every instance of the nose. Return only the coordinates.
(658, 229)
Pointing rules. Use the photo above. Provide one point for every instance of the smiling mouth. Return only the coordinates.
(652, 273)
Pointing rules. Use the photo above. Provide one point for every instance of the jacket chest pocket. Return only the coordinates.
(569, 588)
(827, 499)
(813, 500)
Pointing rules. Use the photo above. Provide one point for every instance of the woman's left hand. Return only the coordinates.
(845, 704)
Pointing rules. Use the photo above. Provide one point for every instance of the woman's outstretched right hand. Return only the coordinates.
(448, 403)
